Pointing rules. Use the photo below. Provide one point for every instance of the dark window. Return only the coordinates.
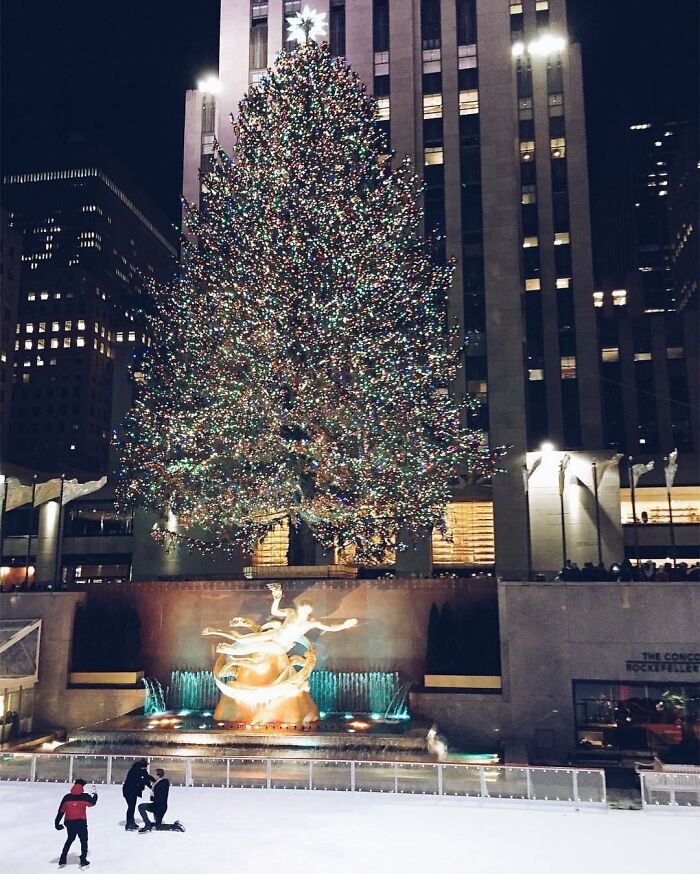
(430, 23)
(466, 22)
(381, 26)
(571, 413)
(336, 28)
(559, 174)
(382, 86)
(526, 129)
(258, 44)
(524, 78)
(554, 78)
(432, 83)
(432, 132)
(468, 79)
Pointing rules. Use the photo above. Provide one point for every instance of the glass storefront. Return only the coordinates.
(661, 718)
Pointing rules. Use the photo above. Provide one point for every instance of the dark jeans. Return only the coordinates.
(76, 828)
(130, 808)
(158, 813)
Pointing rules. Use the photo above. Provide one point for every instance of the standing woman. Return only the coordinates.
(136, 781)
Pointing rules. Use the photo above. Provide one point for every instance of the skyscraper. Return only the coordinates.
(486, 97)
(89, 251)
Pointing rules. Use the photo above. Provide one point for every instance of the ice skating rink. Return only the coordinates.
(295, 832)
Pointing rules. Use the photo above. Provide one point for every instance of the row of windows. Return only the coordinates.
(562, 238)
(567, 369)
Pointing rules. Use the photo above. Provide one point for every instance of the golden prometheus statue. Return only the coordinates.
(261, 683)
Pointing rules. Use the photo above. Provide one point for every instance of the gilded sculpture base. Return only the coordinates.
(298, 708)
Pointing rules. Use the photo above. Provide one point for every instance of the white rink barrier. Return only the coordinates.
(670, 789)
(576, 787)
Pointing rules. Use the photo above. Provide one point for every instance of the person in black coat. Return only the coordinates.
(136, 781)
(158, 806)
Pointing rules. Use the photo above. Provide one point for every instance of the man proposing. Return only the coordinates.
(158, 807)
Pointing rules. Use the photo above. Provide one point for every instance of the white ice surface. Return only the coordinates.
(296, 832)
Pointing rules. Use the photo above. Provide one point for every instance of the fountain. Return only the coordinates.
(154, 703)
(263, 695)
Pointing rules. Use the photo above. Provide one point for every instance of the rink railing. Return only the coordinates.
(670, 789)
(572, 786)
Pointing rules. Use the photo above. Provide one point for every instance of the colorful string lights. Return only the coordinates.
(301, 364)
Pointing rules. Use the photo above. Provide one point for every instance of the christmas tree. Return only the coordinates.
(302, 362)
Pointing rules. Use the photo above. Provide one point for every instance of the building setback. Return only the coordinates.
(486, 97)
(89, 251)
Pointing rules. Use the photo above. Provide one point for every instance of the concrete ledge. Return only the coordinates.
(461, 681)
(105, 678)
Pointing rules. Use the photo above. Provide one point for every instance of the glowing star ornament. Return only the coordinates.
(306, 25)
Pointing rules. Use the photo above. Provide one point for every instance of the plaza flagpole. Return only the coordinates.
(56, 568)
(29, 537)
(630, 475)
(526, 478)
(594, 465)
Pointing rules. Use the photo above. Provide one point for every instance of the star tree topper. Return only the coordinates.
(307, 24)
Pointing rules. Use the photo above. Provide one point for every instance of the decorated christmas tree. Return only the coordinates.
(302, 363)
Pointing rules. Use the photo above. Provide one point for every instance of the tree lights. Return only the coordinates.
(302, 361)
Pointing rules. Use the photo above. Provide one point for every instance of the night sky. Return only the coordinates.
(119, 72)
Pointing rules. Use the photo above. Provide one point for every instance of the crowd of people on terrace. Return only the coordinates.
(627, 571)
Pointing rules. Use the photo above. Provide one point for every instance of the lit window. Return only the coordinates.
(18, 328)
(642, 356)
(541, 5)
(516, 8)
(55, 326)
(44, 295)
(610, 354)
(54, 343)
(25, 377)
(39, 361)
(675, 352)
(28, 344)
(31, 295)
(434, 155)
(568, 367)
(97, 328)
(52, 362)
(565, 282)
(532, 285)
(72, 446)
(41, 344)
(527, 150)
(27, 364)
(16, 345)
(469, 102)
(42, 327)
(68, 325)
(102, 348)
(81, 324)
(383, 109)
(598, 298)
(432, 105)
(120, 336)
(640, 126)
(80, 341)
(57, 295)
(562, 238)
(132, 336)
(530, 242)
(619, 297)
(535, 375)
(557, 147)
(29, 328)
(528, 194)
(66, 342)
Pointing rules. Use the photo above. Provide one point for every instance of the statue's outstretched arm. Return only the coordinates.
(336, 626)
(275, 610)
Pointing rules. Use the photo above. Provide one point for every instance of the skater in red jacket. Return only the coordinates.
(73, 808)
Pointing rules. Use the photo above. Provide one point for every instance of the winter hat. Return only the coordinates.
(80, 782)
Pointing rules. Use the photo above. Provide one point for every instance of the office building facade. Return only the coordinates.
(89, 253)
(486, 98)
